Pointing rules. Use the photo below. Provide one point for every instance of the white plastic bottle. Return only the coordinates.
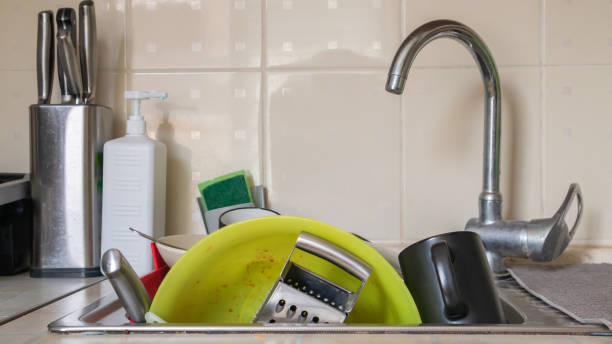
(134, 189)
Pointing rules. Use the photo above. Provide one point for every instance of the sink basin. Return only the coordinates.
(525, 315)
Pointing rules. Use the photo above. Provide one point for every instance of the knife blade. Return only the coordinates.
(45, 56)
(129, 289)
(66, 22)
(70, 65)
(87, 49)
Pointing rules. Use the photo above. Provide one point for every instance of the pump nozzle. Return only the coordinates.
(135, 123)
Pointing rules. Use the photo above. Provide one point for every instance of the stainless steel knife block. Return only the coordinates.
(66, 145)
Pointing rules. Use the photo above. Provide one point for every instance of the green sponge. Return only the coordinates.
(226, 190)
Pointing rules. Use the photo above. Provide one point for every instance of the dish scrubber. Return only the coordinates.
(226, 190)
(224, 193)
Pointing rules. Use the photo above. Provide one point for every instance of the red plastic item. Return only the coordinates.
(158, 261)
(153, 279)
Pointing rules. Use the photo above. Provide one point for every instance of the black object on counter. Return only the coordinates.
(450, 280)
(15, 223)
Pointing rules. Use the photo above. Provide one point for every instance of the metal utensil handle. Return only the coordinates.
(66, 22)
(334, 254)
(45, 56)
(70, 65)
(127, 285)
(87, 49)
(573, 192)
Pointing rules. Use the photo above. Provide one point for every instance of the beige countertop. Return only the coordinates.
(32, 327)
(20, 294)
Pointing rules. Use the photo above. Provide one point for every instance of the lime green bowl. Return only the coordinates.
(225, 277)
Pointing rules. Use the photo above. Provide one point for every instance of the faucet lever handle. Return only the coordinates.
(550, 237)
(573, 192)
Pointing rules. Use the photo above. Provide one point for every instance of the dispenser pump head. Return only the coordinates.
(136, 123)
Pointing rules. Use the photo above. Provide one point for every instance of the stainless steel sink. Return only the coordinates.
(525, 314)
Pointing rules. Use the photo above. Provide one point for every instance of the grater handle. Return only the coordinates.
(334, 254)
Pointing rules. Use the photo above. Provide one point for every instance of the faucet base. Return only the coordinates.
(539, 240)
(497, 264)
(501, 239)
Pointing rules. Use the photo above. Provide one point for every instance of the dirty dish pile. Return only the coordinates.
(226, 277)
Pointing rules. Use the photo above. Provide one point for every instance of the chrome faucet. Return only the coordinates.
(540, 239)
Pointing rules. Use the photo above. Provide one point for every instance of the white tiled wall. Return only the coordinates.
(334, 149)
(293, 91)
(331, 33)
(193, 34)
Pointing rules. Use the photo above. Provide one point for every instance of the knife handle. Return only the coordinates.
(45, 56)
(128, 287)
(66, 23)
(87, 49)
(70, 66)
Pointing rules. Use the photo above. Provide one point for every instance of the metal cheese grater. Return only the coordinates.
(301, 296)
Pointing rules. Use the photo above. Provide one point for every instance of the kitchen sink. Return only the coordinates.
(525, 314)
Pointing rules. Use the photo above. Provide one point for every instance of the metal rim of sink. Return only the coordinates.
(59, 327)
(105, 316)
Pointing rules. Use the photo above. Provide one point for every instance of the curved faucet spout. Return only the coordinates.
(490, 197)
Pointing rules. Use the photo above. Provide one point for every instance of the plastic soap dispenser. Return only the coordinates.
(134, 188)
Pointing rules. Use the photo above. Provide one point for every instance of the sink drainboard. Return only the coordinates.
(526, 314)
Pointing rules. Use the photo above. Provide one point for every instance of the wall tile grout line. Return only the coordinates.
(591, 242)
(403, 22)
(126, 44)
(126, 10)
(543, 103)
(331, 69)
(205, 70)
(192, 71)
(291, 68)
(310, 69)
(263, 90)
(323, 68)
(403, 232)
(266, 162)
(340, 68)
